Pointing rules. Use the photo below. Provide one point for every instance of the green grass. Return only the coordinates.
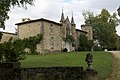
(102, 61)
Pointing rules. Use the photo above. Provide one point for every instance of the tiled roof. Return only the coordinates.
(8, 33)
(81, 30)
(41, 19)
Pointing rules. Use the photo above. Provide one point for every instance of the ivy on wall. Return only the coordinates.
(70, 39)
(13, 51)
(30, 42)
(85, 44)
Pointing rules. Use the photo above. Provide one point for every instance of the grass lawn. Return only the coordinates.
(102, 61)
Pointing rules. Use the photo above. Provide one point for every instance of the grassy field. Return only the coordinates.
(102, 61)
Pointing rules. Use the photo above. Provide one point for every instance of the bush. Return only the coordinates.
(11, 53)
(65, 50)
(30, 42)
(85, 44)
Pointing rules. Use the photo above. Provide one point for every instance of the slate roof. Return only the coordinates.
(41, 19)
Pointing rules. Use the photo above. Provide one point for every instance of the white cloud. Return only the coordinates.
(51, 9)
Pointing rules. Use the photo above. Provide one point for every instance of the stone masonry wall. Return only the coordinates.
(6, 36)
(52, 38)
(52, 73)
(28, 29)
(12, 71)
(88, 29)
(46, 45)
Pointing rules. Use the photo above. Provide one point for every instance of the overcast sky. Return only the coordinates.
(51, 9)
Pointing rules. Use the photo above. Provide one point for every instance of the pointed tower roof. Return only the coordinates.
(67, 20)
(72, 20)
(62, 17)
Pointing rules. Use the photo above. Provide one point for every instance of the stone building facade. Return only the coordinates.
(78, 33)
(88, 29)
(53, 32)
(6, 36)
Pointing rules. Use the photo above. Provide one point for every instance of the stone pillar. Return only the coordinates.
(90, 73)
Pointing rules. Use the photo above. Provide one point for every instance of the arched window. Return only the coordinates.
(68, 30)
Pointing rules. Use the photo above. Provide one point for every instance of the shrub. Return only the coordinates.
(85, 44)
(30, 42)
(65, 50)
(11, 53)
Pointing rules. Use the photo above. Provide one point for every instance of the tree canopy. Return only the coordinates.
(85, 44)
(5, 6)
(104, 28)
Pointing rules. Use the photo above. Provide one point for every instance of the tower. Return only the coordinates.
(62, 17)
(63, 28)
(73, 27)
(68, 26)
(88, 28)
(72, 20)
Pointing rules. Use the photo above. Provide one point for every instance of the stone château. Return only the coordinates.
(53, 32)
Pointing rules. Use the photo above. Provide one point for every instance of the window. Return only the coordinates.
(52, 42)
(67, 30)
(51, 29)
(51, 36)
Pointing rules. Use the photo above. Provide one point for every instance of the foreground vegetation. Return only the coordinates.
(102, 61)
(104, 28)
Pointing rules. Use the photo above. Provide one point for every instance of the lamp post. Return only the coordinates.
(118, 11)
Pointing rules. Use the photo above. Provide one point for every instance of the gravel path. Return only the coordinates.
(116, 66)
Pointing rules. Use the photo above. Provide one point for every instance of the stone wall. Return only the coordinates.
(51, 34)
(78, 33)
(6, 36)
(12, 71)
(28, 30)
(88, 29)
(52, 73)
(51, 37)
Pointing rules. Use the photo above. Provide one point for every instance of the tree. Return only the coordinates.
(10, 53)
(5, 6)
(104, 25)
(14, 51)
(85, 44)
(88, 15)
(26, 19)
(1, 35)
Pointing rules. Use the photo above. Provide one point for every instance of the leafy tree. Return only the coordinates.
(1, 35)
(85, 44)
(13, 51)
(5, 6)
(10, 53)
(30, 42)
(104, 25)
(88, 15)
(119, 42)
(26, 19)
